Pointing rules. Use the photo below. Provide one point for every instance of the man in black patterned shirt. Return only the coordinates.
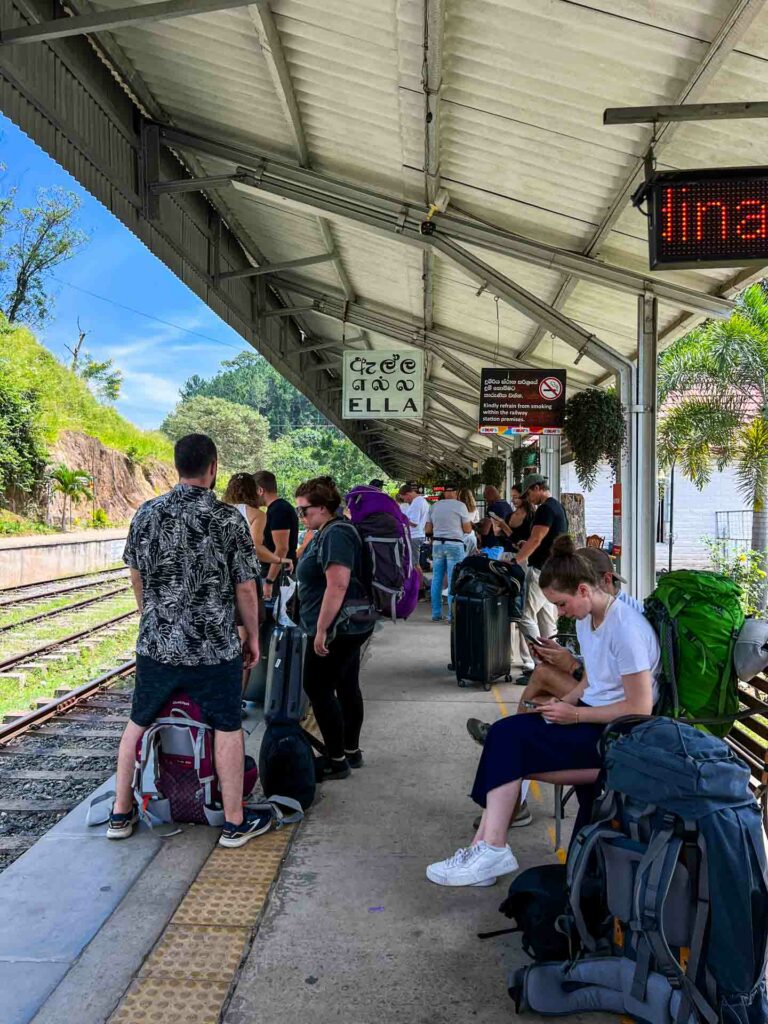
(192, 562)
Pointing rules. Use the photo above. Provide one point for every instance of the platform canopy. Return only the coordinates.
(283, 156)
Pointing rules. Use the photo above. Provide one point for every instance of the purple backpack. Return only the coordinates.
(175, 778)
(391, 579)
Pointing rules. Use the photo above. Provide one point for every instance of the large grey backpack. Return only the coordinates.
(678, 841)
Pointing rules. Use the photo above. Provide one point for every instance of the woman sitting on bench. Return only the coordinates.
(621, 658)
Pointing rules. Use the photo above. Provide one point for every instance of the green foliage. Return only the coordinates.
(745, 569)
(319, 451)
(523, 460)
(240, 433)
(250, 380)
(22, 449)
(596, 431)
(493, 471)
(12, 525)
(64, 401)
(73, 485)
(39, 239)
(100, 519)
(102, 376)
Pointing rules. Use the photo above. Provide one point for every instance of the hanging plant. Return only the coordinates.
(493, 471)
(596, 431)
(523, 460)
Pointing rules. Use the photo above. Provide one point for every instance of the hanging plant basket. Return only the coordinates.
(596, 431)
(493, 472)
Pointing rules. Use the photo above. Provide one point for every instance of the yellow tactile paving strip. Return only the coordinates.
(187, 977)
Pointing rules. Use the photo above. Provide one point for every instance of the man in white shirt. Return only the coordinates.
(416, 508)
(447, 525)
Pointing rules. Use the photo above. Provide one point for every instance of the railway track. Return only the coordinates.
(63, 609)
(33, 592)
(52, 757)
(59, 645)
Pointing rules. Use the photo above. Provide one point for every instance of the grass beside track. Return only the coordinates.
(26, 637)
(11, 616)
(71, 672)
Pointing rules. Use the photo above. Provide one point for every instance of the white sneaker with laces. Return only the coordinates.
(480, 864)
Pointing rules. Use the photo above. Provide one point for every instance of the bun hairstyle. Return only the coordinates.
(565, 568)
(320, 491)
(241, 490)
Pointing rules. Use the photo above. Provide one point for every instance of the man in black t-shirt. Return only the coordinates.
(549, 521)
(281, 532)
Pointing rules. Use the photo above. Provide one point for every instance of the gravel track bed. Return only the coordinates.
(53, 763)
(17, 823)
(44, 789)
(73, 742)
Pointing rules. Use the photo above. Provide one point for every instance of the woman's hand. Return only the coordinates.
(560, 712)
(288, 563)
(320, 649)
(550, 652)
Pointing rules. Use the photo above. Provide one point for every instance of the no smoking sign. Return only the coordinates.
(550, 389)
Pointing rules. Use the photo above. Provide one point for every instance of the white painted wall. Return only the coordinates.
(694, 512)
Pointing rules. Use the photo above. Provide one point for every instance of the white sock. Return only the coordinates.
(524, 790)
(497, 848)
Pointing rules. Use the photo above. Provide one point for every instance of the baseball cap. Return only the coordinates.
(531, 480)
(601, 561)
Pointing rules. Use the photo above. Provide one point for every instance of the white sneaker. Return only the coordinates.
(480, 864)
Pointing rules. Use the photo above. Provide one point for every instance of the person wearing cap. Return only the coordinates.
(549, 522)
(447, 524)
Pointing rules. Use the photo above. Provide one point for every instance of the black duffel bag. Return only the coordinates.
(478, 576)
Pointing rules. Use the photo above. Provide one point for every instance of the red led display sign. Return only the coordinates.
(715, 218)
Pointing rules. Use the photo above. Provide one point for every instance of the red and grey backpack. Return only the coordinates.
(175, 775)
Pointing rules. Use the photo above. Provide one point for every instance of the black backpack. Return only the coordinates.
(538, 903)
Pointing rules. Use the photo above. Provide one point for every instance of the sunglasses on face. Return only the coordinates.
(302, 510)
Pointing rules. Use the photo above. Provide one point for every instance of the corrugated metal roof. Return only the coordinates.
(521, 143)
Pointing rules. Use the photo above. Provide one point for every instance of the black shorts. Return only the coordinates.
(218, 689)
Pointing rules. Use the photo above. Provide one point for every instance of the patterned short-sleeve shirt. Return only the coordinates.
(191, 550)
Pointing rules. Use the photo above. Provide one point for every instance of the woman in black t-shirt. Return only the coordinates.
(329, 576)
(517, 529)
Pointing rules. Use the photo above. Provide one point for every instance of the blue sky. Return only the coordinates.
(156, 358)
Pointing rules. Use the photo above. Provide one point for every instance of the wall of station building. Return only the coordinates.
(694, 513)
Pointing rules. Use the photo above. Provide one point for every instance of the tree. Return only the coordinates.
(43, 237)
(716, 380)
(248, 379)
(102, 377)
(22, 450)
(240, 434)
(318, 451)
(72, 484)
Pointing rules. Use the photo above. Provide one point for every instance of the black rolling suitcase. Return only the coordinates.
(481, 648)
(286, 762)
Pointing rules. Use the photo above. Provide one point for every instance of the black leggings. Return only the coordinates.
(332, 684)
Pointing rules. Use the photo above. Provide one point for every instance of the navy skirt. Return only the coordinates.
(523, 745)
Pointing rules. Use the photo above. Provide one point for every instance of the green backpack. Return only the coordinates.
(697, 616)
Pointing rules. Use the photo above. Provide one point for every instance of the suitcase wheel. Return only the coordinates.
(451, 667)
(462, 682)
(486, 687)
(507, 678)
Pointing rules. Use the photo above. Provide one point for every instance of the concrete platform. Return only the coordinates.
(355, 932)
(351, 931)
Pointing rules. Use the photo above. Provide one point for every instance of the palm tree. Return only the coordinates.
(72, 484)
(715, 380)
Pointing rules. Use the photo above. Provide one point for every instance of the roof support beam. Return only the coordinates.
(732, 30)
(684, 112)
(396, 217)
(106, 21)
(277, 268)
(525, 302)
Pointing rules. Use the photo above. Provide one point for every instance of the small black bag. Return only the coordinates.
(286, 763)
(538, 902)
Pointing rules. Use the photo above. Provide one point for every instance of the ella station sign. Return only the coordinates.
(383, 385)
(522, 401)
(715, 218)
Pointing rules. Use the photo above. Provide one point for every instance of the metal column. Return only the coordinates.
(643, 495)
(549, 450)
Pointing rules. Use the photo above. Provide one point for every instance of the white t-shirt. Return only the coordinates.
(623, 643)
(418, 512)
(631, 601)
(447, 517)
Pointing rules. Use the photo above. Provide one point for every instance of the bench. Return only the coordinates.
(748, 739)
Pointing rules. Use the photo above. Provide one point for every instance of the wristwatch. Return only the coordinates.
(578, 673)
